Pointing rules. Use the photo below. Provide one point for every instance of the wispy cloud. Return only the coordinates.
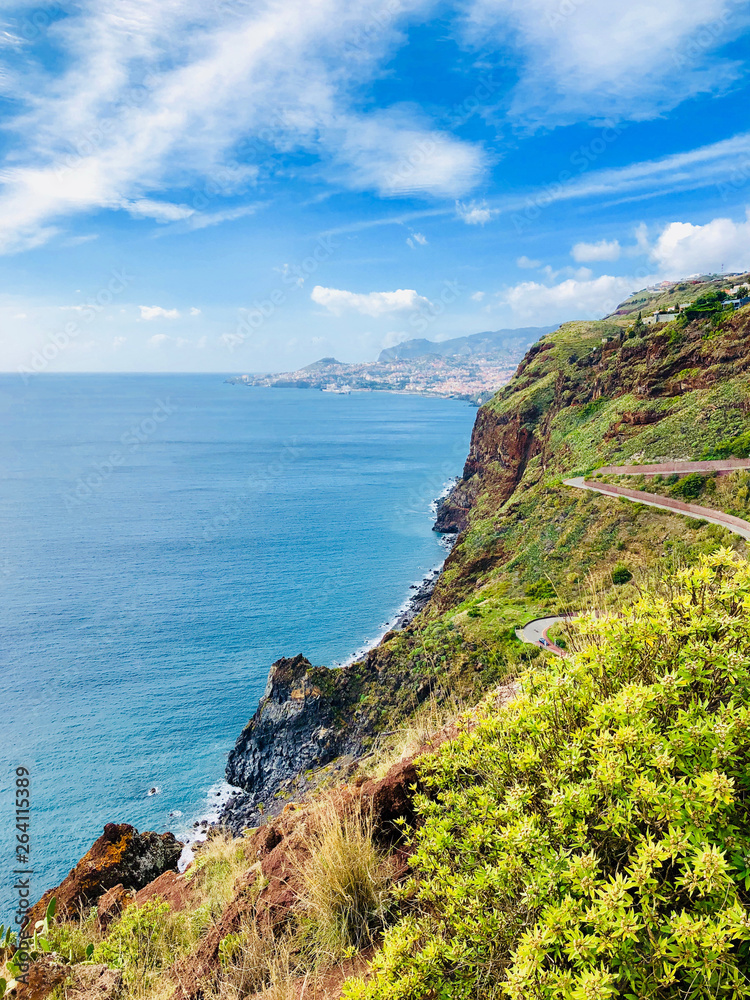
(605, 58)
(157, 96)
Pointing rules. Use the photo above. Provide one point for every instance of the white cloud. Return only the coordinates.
(117, 342)
(155, 97)
(164, 340)
(416, 239)
(161, 211)
(338, 301)
(202, 220)
(603, 57)
(76, 241)
(683, 249)
(527, 263)
(475, 213)
(574, 298)
(603, 250)
(158, 312)
(477, 296)
(194, 311)
(392, 153)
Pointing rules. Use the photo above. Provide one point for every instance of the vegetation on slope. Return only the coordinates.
(594, 841)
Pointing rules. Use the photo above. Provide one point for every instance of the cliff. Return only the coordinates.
(590, 394)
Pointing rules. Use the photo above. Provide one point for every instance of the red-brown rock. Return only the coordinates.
(120, 856)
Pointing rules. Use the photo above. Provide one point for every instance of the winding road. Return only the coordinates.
(535, 632)
(735, 524)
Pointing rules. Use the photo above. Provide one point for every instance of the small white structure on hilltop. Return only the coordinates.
(660, 317)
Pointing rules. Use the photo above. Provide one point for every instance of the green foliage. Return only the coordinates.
(144, 942)
(542, 589)
(736, 447)
(592, 840)
(621, 574)
(689, 487)
(132, 943)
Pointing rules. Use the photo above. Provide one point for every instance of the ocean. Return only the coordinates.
(164, 539)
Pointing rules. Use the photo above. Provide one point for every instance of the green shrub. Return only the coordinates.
(621, 574)
(736, 447)
(592, 840)
(689, 487)
(134, 941)
(541, 590)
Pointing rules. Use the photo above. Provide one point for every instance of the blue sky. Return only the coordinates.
(241, 185)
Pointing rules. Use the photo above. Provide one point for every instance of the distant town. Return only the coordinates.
(473, 379)
(470, 368)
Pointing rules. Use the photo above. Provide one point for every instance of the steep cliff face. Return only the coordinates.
(296, 728)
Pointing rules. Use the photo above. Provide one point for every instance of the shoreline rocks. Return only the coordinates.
(121, 856)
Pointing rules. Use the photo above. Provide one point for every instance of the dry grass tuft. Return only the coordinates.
(256, 963)
(345, 886)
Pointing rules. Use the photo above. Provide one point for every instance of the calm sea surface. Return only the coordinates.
(163, 539)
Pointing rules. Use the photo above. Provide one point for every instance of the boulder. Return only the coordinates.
(121, 856)
(111, 904)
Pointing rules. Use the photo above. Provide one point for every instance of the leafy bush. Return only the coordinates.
(592, 840)
(135, 941)
(689, 487)
(736, 447)
(541, 590)
(621, 574)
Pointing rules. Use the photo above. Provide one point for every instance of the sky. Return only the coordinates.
(244, 185)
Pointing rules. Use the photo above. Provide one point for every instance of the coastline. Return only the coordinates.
(221, 796)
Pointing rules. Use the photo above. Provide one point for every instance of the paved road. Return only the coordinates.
(735, 524)
(535, 632)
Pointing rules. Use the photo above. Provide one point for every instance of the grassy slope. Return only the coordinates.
(582, 403)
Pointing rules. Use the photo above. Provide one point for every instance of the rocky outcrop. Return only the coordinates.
(296, 728)
(121, 856)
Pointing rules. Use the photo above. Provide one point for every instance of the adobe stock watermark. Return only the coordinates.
(737, 180)
(581, 159)
(378, 23)
(230, 512)
(292, 276)
(564, 10)
(707, 36)
(429, 312)
(39, 20)
(90, 482)
(62, 339)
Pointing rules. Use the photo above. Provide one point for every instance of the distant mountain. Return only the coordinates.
(476, 344)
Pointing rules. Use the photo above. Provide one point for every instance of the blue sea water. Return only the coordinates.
(165, 538)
